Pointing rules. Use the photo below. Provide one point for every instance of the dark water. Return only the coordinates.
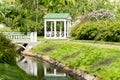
(42, 70)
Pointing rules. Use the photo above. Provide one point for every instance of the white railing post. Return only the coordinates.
(35, 36)
(31, 37)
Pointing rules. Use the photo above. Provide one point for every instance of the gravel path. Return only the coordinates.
(101, 45)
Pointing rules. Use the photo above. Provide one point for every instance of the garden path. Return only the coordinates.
(100, 44)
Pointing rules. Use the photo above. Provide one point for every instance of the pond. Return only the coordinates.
(42, 70)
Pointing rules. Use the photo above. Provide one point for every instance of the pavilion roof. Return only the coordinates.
(57, 16)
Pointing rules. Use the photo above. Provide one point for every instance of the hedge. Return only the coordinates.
(99, 30)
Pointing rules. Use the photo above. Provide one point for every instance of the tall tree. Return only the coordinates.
(36, 9)
(31, 12)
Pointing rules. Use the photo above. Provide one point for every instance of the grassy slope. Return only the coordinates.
(8, 72)
(100, 61)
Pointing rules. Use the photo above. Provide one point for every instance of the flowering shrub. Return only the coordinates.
(101, 15)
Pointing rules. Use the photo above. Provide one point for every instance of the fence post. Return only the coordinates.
(35, 36)
(31, 37)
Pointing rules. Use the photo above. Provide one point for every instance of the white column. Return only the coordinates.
(65, 28)
(55, 72)
(45, 29)
(51, 29)
(69, 28)
(55, 29)
(45, 70)
(60, 29)
(70, 24)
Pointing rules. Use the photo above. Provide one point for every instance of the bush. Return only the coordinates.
(7, 51)
(100, 30)
(101, 15)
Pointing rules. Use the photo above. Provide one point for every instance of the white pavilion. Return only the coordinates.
(57, 25)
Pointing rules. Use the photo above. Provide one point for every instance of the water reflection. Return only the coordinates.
(28, 65)
(42, 70)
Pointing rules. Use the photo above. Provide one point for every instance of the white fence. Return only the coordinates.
(19, 37)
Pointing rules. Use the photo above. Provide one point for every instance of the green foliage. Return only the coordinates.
(9, 72)
(8, 29)
(100, 30)
(28, 14)
(15, 16)
(36, 9)
(7, 51)
(100, 61)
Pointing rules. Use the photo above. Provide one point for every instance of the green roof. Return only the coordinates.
(55, 78)
(57, 16)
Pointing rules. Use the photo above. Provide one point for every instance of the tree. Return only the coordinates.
(13, 16)
(34, 10)
(7, 51)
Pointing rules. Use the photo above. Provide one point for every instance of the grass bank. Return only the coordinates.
(8, 72)
(100, 61)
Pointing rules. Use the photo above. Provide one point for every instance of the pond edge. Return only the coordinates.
(74, 72)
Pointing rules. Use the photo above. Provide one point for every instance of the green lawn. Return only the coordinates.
(40, 38)
(8, 72)
(101, 61)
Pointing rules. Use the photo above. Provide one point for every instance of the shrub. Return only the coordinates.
(7, 51)
(100, 30)
(101, 15)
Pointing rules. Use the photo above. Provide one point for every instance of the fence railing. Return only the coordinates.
(58, 34)
(18, 37)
